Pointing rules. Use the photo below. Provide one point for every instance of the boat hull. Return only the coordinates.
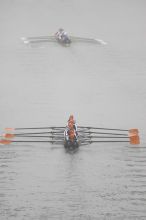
(65, 41)
(71, 145)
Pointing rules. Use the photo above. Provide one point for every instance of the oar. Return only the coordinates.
(53, 136)
(39, 136)
(39, 37)
(33, 133)
(104, 137)
(133, 139)
(5, 142)
(95, 132)
(29, 135)
(131, 131)
(39, 41)
(112, 129)
(90, 142)
(91, 40)
(31, 128)
(27, 40)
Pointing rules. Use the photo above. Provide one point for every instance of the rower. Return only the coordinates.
(68, 128)
(60, 34)
(66, 132)
(72, 135)
(72, 120)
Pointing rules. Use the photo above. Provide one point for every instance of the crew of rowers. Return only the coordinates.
(71, 129)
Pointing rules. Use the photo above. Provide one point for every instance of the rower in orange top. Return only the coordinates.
(70, 125)
(70, 129)
(72, 120)
(72, 135)
(71, 117)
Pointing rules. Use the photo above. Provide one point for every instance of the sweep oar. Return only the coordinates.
(32, 136)
(38, 37)
(7, 135)
(90, 142)
(24, 39)
(90, 40)
(5, 142)
(133, 130)
(39, 41)
(96, 132)
(105, 137)
(112, 129)
(133, 139)
(39, 136)
(32, 128)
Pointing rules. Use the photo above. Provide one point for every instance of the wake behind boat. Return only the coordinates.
(61, 37)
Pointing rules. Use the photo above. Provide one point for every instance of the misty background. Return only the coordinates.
(103, 86)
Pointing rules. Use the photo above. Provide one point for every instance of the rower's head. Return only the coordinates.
(61, 30)
(71, 121)
(71, 117)
(70, 125)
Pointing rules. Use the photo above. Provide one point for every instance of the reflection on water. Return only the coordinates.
(96, 182)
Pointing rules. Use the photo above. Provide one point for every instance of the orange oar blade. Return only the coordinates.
(8, 135)
(133, 131)
(9, 129)
(5, 141)
(134, 139)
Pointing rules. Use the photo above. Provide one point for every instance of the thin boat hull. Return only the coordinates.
(65, 41)
(71, 145)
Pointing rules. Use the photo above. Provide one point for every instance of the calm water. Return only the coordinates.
(102, 86)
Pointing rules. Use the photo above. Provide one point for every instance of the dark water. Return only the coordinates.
(97, 182)
(102, 86)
